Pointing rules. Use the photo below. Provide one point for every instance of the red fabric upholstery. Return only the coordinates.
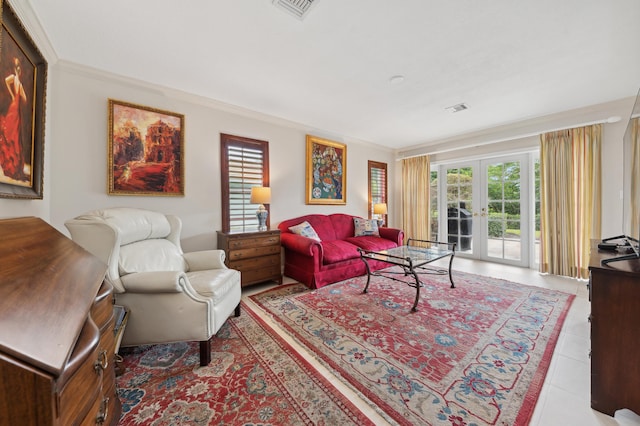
(371, 243)
(336, 257)
(338, 250)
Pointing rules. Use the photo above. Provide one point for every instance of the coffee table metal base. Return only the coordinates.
(412, 260)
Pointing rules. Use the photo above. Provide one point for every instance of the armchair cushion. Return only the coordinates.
(150, 255)
(133, 224)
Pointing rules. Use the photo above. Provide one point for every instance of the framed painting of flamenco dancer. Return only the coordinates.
(23, 71)
(146, 151)
(326, 178)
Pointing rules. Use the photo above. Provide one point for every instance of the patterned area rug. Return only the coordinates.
(473, 355)
(254, 378)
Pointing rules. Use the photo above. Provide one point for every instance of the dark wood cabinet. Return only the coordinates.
(614, 291)
(57, 342)
(255, 254)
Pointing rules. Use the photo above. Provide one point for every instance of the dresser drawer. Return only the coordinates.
(252, 252)
(94, 412)
(257, 255)
(255, 263)
(81, 382)
(102, 309)
(241, 243)
(260, 275)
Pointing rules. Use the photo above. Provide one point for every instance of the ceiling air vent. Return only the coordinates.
(458, 107)
(298, 8)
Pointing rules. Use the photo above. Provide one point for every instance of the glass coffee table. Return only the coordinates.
(413, 258)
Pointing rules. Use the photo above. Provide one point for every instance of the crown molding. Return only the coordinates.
(31, 23)
(192, 98)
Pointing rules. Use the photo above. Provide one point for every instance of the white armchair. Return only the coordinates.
(171, 296)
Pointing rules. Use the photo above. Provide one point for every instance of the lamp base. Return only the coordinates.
(380, 223)
(262, 219)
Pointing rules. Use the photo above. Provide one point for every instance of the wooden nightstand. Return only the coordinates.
(255, 254)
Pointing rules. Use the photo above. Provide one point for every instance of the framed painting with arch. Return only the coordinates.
(146, 151)
(22, 110)
(326, 178)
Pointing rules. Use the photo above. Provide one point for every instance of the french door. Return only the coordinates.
(484, 208)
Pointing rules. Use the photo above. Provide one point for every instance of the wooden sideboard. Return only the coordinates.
(255, 254)
(57, 343)
(614, 291)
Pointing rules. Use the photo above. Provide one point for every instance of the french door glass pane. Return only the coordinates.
(503, 210)
(459, 207)
(433, 193)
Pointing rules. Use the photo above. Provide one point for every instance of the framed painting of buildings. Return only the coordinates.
(22, 110)
(326, 178)
(145, 152)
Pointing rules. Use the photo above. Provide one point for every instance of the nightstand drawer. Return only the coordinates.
(255, 254)
(255, 263)
(252, 252)
(260, 275)
(241, 243)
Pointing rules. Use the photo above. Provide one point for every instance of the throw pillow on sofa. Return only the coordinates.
(365, 227)
(306, 230)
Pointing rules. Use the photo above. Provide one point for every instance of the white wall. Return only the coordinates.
(75, 175)
(77, 149)
(524, 136)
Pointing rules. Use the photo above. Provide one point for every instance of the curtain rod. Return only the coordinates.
(613, 119)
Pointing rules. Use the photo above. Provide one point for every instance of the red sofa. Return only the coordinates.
(335, 257)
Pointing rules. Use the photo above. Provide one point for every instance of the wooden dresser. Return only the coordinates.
(57, 345)
(614, 291)
(255, 254)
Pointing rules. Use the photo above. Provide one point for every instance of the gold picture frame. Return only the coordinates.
(23, 70)
(146, 151)
(326, 178)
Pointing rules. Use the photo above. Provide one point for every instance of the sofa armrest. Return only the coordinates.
(300, 244)
(393, 234)
(153, 282)
(205, 259)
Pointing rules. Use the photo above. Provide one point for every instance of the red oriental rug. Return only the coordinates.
(473, 355)
(254, 378)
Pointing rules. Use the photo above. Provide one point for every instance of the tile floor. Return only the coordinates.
(565, 396)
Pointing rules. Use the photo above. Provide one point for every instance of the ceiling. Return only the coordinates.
(508, 61)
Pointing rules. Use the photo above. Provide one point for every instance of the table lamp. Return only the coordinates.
(380, 209)
(261, 195)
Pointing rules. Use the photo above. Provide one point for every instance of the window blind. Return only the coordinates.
(244, 165)
(377, 184)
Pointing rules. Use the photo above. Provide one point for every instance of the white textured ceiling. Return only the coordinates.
(507, 60)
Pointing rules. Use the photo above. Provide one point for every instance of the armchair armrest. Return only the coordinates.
(153, 282)
(393, 234)
(205, 259)
(300, 244)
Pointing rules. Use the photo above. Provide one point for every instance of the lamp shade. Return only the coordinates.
(380, 208)
(260, 195)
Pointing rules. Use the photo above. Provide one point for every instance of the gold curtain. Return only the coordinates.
(570, 199)
(635, 176)
(416, 172)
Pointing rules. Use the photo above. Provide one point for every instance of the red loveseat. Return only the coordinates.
(335, 257)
